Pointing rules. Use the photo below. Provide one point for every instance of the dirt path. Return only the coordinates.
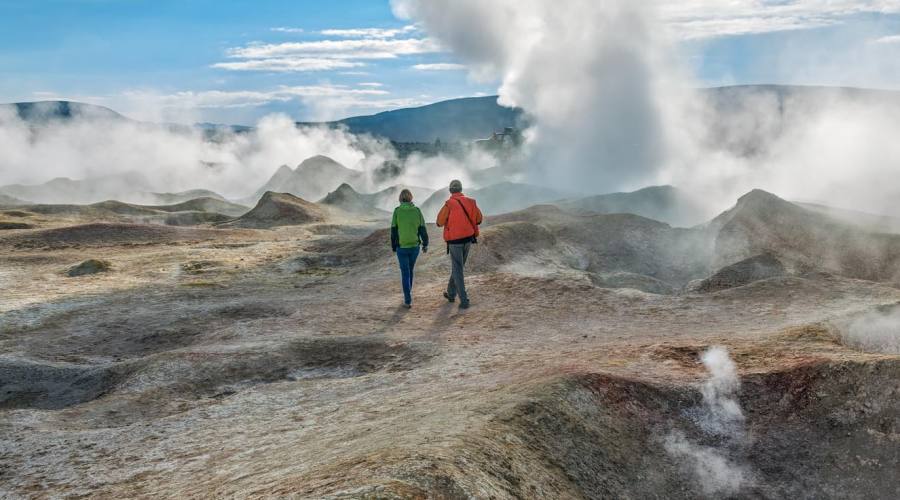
(244, 376)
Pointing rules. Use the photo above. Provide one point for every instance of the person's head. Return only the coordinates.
(455, 186)
(405, 196)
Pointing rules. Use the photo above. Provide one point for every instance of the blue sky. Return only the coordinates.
(234, 61)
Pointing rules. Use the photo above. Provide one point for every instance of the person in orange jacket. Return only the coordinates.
(460, 218)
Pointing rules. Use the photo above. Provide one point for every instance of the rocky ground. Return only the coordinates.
(243, 362)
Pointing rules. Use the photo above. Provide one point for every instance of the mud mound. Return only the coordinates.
(374, 247)
(312, 179)
(195, 218)
(876, 330)
(741, 273)
(6, 225)
(280, 209)
(497, 198)
(114, 210)
(118, 207)
(508, 242)
(106, 235)
(388, 198)
(90, 266)
(175, 198)
(600, 244)
(205, 204)
(871, 222)
(17, 213)
(663, 203)
(348, 199)
(634, 281)
(197, 375)
(538, 214)
(803, 240)
(11, 201)
(88, 190)
(50, 386)
(194, 375)
(818, 431)
(191, 212)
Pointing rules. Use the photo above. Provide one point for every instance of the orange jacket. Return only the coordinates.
(454, 221)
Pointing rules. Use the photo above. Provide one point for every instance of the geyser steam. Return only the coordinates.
(876, 331)
(589, 73)
(170, 159)
(720, 418)
(614, 109)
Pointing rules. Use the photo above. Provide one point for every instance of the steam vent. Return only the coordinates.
(247, 253)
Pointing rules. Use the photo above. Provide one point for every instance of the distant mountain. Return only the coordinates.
(471, 118)
(45, 112)
(172, 198)
(497, 198)
(10, 200)
(91, 190)
(663, 203)
(312, 179)
(465, 119)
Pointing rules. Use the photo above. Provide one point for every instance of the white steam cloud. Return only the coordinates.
(122, 159)
(723, 413)
(590, 74)
(716, 473)
(720, 418)
(614, 108)
(170, 159)
(875, 331)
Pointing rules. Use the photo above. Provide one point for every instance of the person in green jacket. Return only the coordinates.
(407, 232)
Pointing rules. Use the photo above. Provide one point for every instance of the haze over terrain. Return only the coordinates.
(686, 284)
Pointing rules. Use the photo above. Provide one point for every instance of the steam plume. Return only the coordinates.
(613, 108)
(720, 417)
(877, 331)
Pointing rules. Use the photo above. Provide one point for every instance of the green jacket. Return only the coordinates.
(408, 227)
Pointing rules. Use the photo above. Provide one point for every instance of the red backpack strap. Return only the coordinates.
(461, 205)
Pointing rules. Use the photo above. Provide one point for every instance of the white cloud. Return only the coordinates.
(249, 98)
(368, 48)
(369, 32)
(324, 102)
(349, 50)
(696, 19)
(288, 64)
(439, 67)
(888, 40)
(282, 29)
(370, 84)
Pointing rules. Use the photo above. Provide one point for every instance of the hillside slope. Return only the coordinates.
(663, 203)
(465, 119)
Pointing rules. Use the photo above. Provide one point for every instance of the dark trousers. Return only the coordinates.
(459, 252)
(407, 258)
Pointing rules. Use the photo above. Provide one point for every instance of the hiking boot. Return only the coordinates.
(449, 297)
(464, 305)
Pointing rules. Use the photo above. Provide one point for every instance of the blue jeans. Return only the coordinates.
(407, 258)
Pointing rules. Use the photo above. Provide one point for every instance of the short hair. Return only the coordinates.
(455, 186)
(405, 196)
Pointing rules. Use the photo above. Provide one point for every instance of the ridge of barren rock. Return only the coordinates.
(274, 359)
